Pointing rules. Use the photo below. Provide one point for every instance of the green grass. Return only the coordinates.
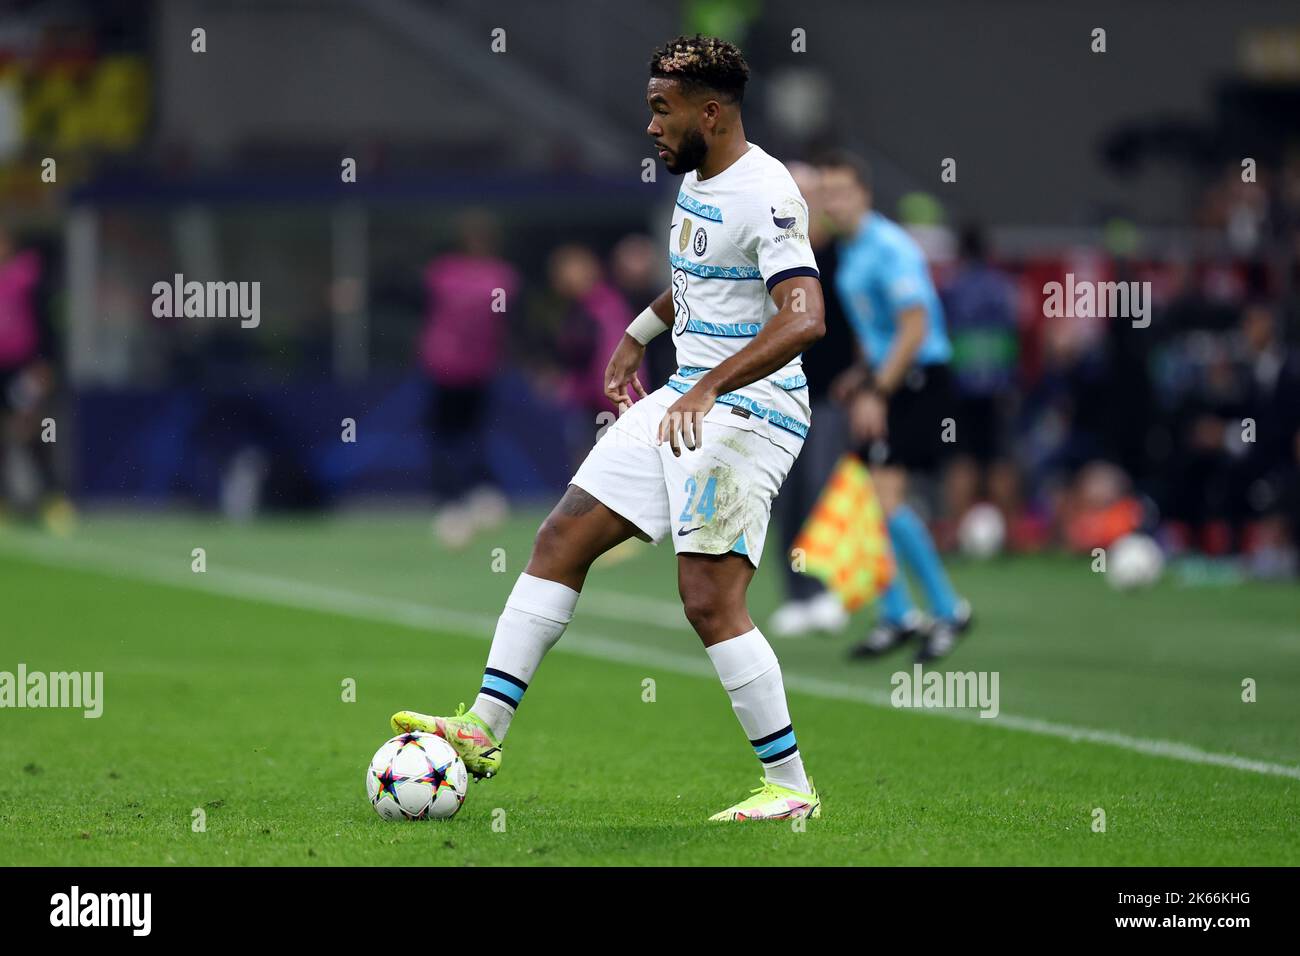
(233, 705)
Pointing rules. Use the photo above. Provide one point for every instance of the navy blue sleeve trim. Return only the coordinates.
(790, 274)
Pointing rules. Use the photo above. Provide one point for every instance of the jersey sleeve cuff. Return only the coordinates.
(774, 280)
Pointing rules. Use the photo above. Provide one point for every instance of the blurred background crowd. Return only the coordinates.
(458, 299)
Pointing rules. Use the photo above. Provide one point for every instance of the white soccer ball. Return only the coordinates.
(1134, 561)
(416, 777)
(982, 531)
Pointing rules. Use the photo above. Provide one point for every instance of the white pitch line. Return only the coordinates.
(635, 609)
(125, 563)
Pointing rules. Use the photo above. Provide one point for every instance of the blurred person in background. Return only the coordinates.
(588, 318)
(1126, 384)
(979, 306)
(1289, 244)
(898, 397)
(1205, 464)
(1098, 506)
(637, 269)
(28, 477)
(468, 292)
(808, 605)
(1060, 428)
(1267, 475)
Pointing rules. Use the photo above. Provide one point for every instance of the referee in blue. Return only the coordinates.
(898, 395)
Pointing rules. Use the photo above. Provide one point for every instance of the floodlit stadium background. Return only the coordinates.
(226, 165)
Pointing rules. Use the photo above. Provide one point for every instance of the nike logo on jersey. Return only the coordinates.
(685, 531)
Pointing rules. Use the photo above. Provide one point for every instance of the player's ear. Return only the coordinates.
(712, 113)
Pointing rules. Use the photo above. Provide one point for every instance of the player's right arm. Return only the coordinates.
(623, 364)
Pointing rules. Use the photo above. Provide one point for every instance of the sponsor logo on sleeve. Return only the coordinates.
(790, 218)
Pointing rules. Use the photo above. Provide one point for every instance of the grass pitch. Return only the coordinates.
(224, 693)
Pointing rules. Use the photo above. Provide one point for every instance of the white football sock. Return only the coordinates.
(535, 615)
(751, 675)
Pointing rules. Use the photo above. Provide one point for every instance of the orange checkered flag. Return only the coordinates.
(844, 541)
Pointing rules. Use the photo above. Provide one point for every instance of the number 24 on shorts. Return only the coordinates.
(705, 507)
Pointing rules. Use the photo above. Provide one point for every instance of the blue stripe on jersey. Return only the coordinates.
(713, 272)
(790, 384)
(741, 330)
(784, 422)
(691, 204)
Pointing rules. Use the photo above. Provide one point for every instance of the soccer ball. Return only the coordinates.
(416, 777)
(982, 531)
(1134, 561)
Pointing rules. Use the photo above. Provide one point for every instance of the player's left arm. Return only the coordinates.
(621, 370)
(800, 321)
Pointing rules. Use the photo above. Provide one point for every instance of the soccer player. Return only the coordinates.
(898, 398)
(701, 459)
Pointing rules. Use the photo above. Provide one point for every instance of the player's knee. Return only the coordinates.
(708, 609)
(704, 619)
(550, 550)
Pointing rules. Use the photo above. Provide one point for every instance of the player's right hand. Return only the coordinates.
(622, 372)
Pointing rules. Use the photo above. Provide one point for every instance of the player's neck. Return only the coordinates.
(725, 151)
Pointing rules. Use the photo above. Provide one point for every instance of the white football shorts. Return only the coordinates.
(715, 499)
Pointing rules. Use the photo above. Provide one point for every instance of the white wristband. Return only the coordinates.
(646, 326)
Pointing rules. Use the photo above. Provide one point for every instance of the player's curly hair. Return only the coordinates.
(701, 62)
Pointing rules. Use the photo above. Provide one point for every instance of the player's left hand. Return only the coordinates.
(683, 423)
(868, 416)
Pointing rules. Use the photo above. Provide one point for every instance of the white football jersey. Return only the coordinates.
(734, 237)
